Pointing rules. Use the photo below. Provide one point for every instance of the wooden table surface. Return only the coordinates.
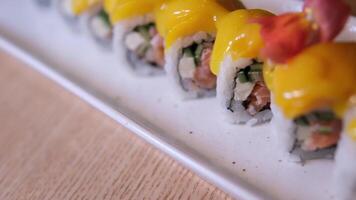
(55, 146)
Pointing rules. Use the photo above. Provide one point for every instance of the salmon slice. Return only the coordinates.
(320, 140)
(202, 76)
(157, 43)
(259, 98)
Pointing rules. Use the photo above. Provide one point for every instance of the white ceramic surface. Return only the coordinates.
(240, 160)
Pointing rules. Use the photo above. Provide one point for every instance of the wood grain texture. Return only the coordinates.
(55, 146)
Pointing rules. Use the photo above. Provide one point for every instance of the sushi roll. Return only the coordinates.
(241, 90)
(93, 18)
(298, 56)
(136, 41)
(308, 92)
(100, 28)
(90, 16)
(188, 29)
(77, 12)
(344, 180)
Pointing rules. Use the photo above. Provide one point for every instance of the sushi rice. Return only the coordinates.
(344, 179)
(232, 96)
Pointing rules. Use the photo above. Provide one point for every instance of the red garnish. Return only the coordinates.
(288, 34)
(329, 15)
(285, 36)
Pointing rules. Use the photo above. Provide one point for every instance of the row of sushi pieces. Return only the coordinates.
(262, 67)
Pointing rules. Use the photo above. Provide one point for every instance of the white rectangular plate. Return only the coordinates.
(240, 160)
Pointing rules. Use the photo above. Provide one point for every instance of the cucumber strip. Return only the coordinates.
(241, 76)
(325, 130)
(143, 30)
(188, 52)
(198, 52)
(325, 116)
(255, 76)
(105, 17)
(301, 121)
(257, 67)
(142, 49)
(148, 26)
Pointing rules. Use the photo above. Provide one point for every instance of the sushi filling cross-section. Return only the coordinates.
(241, 89)
(250, 90)
(100, 27)
(194, 68)
(307, 110)
(136, 40)
(144, 44)
(316, 135)
(189, 32)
